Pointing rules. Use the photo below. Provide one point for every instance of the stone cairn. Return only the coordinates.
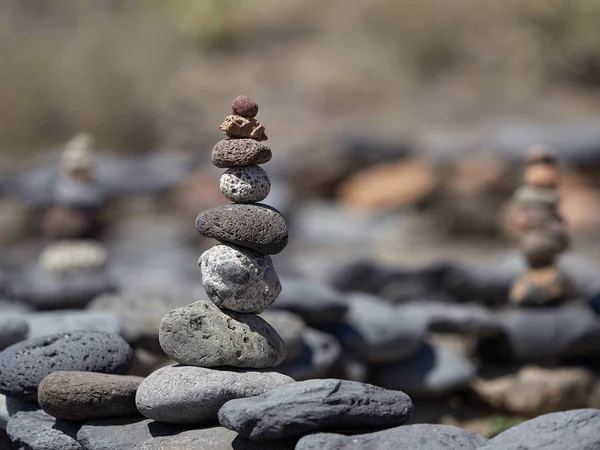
(542, 233)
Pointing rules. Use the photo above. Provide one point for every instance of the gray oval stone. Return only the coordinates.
(202, 335)
(240, 152)
(247, 184)
(24, 365)
(257, 227)
(188, 394)
(239, 279)
(306, 406)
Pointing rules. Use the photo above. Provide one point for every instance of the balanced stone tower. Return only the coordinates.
(222, 345)
(542, 233)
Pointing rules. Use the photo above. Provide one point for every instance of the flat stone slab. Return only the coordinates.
(36, 430)
(312, 405)
(193, 395)
(24, 365)
(85, 395)
(203, 335)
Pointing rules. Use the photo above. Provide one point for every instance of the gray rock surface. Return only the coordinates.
(433, 372)
(76, 194)
(193, 395)
(65, 321)
(257, 227)
(24, 365)
(84, 395)
(3, 412)
(13, 329)
(291, 328)
(5, 442)
(240, 152)
(36, 430)
(417, 437)
(239, 279)
(568, 430)
(245, 184)
(201, 334)
(312, 405)
(376, 333)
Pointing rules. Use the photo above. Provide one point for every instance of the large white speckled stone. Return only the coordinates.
(245, 184)
(239, 279)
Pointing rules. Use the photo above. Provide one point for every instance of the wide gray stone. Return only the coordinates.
(36, 430)
(24, 365)
(193, 395)
(312, 405)
(417, 437)
(257, 227)
(202, 335)
(13, 329)
(291, 328)
(65, 321)
(568, 430)
(239, 279)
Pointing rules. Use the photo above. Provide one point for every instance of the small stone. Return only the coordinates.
(312, 405)
(533, 196)
(24, 365)
(240, 152)
(545, 286)
(291, 328)
(87, 395)
(257, 227)
(245, 184)
(238, 127)
(36, 430)
(202, 335)
(239, 279)
(13, 329)
(193, 395)
(417, 437)
(543, 176)
(244, 106)
(541, 247)
(65, 321)
(568, 430)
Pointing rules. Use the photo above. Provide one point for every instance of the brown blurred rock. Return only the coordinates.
(244, 106)
(66, 223)
(200, 191)
(389, 185)
(541, 247)
(541, 287)
(239, 127)
(580, 202)
(542, 176)
(534, 390)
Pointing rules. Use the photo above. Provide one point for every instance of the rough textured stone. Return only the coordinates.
(291, 328)
(84, 395)
(65, 321)
(526, 334)
(319, 354)
(315, 302)
(13, 329)
(240, 152)
(201, 334)
(377, 333)
(122, 433)
(433, 372)
(193, 395)
(244, 106)
(245, 184)
(417, 437)
(569, 430)
(36, 430)
(24, 365)
(239, 279)
(306, 406)
(257, 227)
(239, 127)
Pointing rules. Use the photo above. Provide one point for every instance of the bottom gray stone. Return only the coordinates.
(36, 430)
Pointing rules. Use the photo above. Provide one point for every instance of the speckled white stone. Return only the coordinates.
(239, 279)
(70, 256)
(245, 184)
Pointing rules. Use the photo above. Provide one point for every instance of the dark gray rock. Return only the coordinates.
(291, 328)
(433, 372)
(65, 321)
(376, 333)
(13, 329)
(5, 442)
(24, 365)
(319, 354)
(240, 152)
(36, 430)
(417, 437)
(312, 405)
(315, 302)
(122, 433)
(348, 368)
(257, 227)
(576, 429)
(527, 333)
(87, 395)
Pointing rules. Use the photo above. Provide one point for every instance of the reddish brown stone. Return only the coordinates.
(244, 106)
(239, 127)
(66, 223)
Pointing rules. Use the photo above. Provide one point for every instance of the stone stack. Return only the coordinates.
(543, 234)
(221, 344)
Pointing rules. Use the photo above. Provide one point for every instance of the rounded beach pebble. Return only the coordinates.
(201, 334)
(240, 152)
(188, 394)
(239, 279)
(24, 365)
(83, 395)
(245, 184)
(257, 227)
(244, 106)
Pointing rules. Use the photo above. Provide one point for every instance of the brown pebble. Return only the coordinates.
(239, 127)
(244, 106)
(542, 176)
(541, 247)
(541, 287)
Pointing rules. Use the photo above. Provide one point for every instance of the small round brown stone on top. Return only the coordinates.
(244, 106)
